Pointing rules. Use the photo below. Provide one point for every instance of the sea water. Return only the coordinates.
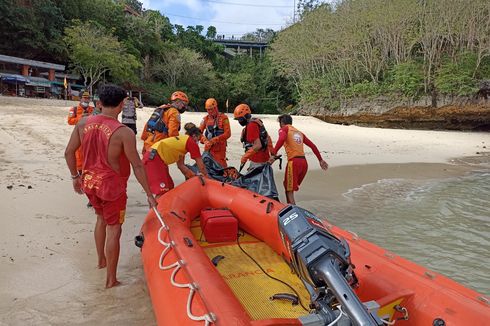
(443, 225)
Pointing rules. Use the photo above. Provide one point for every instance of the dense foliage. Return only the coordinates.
(362, 48)
(102, 42)
(355, 48)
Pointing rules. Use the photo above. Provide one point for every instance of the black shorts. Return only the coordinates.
(132, 126)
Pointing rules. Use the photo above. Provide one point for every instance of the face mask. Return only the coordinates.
(84, 105)
(212, 112)
(243, 122)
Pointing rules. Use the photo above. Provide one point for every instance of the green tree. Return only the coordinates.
(134, 4)
(455, 78)
(94, 52)
(260, 35)
(32, 31)
(211, 32)
(408, 79)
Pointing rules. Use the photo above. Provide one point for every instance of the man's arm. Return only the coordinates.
(137, 103)
(73, 144)
(283, 132)
(129, 147)
(173, 123)
(202, 126)
(201, 166)
(72, 116)
(184, 169)
(226, 131)
(144, 134)
(253, 136)
(315, 150)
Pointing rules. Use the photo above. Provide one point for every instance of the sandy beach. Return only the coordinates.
(47, 254)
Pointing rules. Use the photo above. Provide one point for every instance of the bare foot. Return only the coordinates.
(112, 284)
(102, 263)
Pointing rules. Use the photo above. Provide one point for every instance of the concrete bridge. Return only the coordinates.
(235, 47)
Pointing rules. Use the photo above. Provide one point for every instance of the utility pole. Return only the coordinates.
(294, 11)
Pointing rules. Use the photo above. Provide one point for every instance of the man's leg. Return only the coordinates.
(100, 236)
(290, 197)
(289, 183)
(112, 254)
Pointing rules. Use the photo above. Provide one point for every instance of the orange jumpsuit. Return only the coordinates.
(75, 115)
(171, 118)
(216, 131)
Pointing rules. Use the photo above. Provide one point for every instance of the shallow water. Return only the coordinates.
(441, 224)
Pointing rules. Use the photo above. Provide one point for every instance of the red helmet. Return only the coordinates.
(241, 111)
(178, 95)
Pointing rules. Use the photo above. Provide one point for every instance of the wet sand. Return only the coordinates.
(47, 254)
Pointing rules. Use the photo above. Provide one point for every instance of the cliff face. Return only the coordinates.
(384, 112)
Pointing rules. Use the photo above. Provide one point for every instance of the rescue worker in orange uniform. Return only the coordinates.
(76, 114)
(169, 151)
(165, 120)
(255, 139)
(215, 129)
(297, 167)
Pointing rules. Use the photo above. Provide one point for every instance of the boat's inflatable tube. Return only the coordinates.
(186, 289)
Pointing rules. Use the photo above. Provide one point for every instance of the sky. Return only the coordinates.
(230, 17)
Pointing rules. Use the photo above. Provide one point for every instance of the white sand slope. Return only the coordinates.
(47, 254)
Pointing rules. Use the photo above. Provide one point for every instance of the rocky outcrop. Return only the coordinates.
(386, 112)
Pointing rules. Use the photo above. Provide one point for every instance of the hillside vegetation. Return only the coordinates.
(332, 55)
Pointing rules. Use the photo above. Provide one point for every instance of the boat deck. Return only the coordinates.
(249, 283)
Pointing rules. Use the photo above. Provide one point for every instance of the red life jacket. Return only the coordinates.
(98, 177)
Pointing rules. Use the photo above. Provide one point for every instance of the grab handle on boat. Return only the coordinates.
(269, 207)
(139, 240)
(201, 178)
(217, 259)
(286, 296)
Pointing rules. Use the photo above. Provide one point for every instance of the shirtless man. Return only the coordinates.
(109, 148)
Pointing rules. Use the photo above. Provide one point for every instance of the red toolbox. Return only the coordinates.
(219, 225)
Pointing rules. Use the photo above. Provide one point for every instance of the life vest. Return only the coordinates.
(171, 149)
(156, 123)
(263, 136)
(214, 130)
(98, 176)
(294, 143)
(77, 113)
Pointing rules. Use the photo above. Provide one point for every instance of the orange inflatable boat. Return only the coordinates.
(285, 267)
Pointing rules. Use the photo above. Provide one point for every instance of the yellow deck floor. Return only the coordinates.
(251, 286)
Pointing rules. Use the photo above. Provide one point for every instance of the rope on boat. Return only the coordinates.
(339, 307)
(176, 266)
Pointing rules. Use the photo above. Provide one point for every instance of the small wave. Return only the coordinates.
(441, 224)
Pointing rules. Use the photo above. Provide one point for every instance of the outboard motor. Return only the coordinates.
(322, 261)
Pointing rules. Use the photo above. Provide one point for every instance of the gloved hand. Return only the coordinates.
(208, 144)
(248, 154)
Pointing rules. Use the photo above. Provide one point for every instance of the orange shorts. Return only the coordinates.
(296, 170)
(113, 212)
(159, 178)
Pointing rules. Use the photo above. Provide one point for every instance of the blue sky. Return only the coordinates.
(226, 15)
